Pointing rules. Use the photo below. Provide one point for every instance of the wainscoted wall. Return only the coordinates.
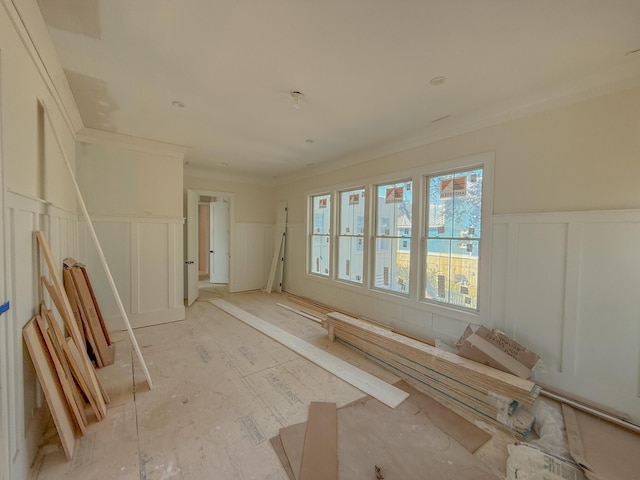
(251, 251)
(24, 216)
(564, 284)
(145, 259)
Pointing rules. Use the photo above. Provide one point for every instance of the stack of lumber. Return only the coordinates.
(495, 396)
(314, 308)
(87, 313)
(65, 371)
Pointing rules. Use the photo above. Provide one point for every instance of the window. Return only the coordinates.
(392, 254)
(351, 235)
(452, 238)
(320, 234)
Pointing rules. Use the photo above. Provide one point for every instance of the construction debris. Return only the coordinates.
(87, 313)
(497, 350)
(499, 397)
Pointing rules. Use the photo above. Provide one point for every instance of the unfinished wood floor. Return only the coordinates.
(221, 390)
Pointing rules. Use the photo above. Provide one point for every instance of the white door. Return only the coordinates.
(219, 242)
(190, 263)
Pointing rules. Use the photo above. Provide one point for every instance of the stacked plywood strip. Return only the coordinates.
(314, 308)
(493, 395)
(67, 376)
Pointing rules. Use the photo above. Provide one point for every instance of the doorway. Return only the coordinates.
(213, 240)
(208, 241)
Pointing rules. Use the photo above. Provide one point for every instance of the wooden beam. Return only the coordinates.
(98, 247)
(378, 389)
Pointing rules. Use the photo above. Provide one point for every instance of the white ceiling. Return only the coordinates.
(364, 67)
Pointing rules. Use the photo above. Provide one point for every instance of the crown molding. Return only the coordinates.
(623, 76)
(101, 137)
(217, 174)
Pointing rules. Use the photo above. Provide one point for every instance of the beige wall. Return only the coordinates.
(32, 162)
(123, 182)
(584, 156)
(32, 169)
(253, 203)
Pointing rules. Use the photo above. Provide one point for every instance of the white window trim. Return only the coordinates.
(414, 298)
(372, 235)
(336, 240)
(310, 235)
(486, 161)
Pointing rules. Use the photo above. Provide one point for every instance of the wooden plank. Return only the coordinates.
(47, 317)
(81, 359)
(65, 382)
(75, 368)
(61, 302)
(76, 354)
(45, 369)
(98, 247)
(299, 312)
(91, 315)
(379, 389)
(278, 249)
(81, 319)
(95, 302)
(320, 451)
(497, 399)
(481, 376)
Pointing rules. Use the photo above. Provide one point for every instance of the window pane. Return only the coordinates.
(351, 258)
(393, 209)
(393, 229)
(453, 238)
(352, 212)
(391, 266)
(321, 214)
(320, 254)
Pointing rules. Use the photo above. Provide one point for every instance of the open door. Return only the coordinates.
(190, 264)
(219, 242)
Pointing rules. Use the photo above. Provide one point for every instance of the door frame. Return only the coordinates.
(189, 278)
(212, 240)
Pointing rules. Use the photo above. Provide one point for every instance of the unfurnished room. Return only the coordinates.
(319, 240)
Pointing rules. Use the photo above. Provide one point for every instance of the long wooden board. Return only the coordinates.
(76, 373)
(91, 315)
(80, 317)
(95, 302)
(493, 395)
(66, 382)
(45, 369)
(379, 389)
(81, 359)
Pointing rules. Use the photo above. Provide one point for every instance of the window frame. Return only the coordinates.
(393, 239)
(311, 234)
(414, 296)
(486, 163)
(338, 234)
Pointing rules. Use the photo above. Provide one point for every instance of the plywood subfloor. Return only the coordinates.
(222, 389)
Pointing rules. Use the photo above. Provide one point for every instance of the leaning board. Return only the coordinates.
(50, 386)
(370, 384)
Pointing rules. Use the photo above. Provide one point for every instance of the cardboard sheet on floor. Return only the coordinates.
(400, 442)
(604, 450)
(292, 438)
(460, 429)
(320, 451)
